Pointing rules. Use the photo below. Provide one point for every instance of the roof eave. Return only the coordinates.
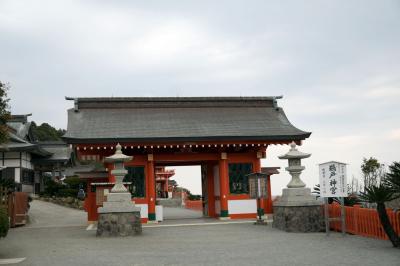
(283, 138)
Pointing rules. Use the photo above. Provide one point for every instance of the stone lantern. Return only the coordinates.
(119, 216)
(119, 171)
(297, 210)
(295, 168)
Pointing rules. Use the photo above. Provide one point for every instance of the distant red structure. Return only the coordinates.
(162, 181)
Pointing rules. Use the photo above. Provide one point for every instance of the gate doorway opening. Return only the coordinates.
(186, 192)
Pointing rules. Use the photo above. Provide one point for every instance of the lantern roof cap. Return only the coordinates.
(118, 156)
(293, 153)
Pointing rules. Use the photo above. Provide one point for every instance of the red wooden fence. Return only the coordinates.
(194, 205)
(18, 208)
(363, 221)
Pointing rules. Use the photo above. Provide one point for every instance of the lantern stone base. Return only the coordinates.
(119, 216)
(298, 211)
(119, 224)
(301, 219)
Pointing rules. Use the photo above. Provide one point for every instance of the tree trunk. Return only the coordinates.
(387, 226)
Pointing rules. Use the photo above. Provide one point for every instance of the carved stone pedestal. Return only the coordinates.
(119, 224)
(119, 216)
(301, 219)
(298, 211)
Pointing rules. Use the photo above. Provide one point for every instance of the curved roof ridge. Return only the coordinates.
(173, 102)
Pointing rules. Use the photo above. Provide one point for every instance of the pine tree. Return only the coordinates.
(4, 112)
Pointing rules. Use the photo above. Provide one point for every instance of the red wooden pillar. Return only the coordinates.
(223, 185)
(110, 167)
(90, 205)
(210, 192)
(166, 186)
(268, 203)
(151, 188)
(260, 203)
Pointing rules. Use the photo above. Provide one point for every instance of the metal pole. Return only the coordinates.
(327, 230)
(343, 216)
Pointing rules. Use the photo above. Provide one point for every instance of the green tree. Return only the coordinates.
(373, 171)
(381, 192)
(4, 112)
(393, 177)
(46, 132)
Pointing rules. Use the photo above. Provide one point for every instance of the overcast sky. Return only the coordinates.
(337, 64)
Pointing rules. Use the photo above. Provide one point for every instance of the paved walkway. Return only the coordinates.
(46, 214)
(181, 213)
(207, 244)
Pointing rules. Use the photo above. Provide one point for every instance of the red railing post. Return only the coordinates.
(356, 211)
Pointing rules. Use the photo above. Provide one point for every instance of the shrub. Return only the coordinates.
(194, 197)
(74, 182)
(4, 222)
(67, 192)
(70, 187)
(52, 188)
(7, 183)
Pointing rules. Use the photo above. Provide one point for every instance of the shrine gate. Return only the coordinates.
(227, 136)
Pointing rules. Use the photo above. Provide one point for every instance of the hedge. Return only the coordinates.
(4, 222)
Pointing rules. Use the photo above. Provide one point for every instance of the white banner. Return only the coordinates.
(333, 179)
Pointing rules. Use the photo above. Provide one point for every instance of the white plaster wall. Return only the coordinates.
(26, 160)
(11, 162)
(17, 175)
(217, 207)
(242, 206)
(144, 213)
(216, 180)
(159, 213)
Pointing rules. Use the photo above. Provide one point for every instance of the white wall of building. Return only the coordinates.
(143, 210)
(242, 206)
(17, 175)
(11, 162)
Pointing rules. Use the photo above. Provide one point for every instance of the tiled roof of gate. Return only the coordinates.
(179, 119)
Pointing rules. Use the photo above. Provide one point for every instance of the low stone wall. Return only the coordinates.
(66, 202)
